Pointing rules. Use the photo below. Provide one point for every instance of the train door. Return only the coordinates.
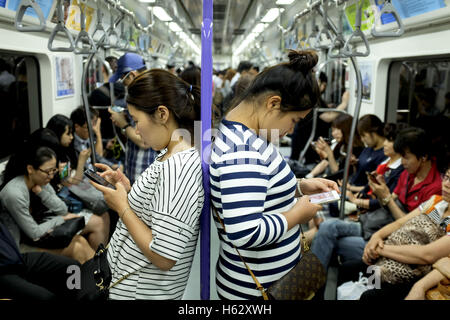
(20, 98)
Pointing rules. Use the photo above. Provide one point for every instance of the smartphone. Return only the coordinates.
(117, 109)
(372, 177)
(64, 173)
(98, 179)
(327, 140)
(325, 197)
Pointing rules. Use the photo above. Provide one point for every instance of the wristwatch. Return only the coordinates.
(124, 129)
(386, 200)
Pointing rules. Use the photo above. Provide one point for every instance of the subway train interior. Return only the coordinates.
(383, 60)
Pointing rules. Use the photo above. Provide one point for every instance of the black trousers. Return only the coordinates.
(349, 271)
(43, 277)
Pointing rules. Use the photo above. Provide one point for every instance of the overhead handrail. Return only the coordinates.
(325, 30)
(353, 127)
(357, 33)
(23, 6)
(60, 26)
(316, 111)
(99, 26)
(83, 34)
(123, 39)
(388, 7)
(338, 41)
(111, 33)
(313, 34)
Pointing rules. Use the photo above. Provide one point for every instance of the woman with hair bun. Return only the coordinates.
(253, 190)
(154, 242)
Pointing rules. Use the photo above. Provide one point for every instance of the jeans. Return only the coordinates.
(343, 236)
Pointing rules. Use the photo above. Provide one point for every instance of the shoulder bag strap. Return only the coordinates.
(258, 284)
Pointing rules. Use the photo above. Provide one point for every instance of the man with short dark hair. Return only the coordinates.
(139, 156)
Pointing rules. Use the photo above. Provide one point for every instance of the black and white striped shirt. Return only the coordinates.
(168, 197)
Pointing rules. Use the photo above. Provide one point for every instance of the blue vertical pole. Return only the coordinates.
(206, 101)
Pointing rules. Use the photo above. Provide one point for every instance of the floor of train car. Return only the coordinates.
(192, 291)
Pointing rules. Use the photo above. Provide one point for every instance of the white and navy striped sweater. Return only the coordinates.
(168, 197)
(251, 186)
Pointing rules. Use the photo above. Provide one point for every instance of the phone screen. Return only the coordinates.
(98, 179)
(325, 197)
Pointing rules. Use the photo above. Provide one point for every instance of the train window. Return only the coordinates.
(20, 97)
(418, 88)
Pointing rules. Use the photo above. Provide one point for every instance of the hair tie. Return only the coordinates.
(190, 88)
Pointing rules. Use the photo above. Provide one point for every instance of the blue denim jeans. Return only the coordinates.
(343, 236)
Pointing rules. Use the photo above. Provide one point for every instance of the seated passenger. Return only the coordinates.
(62, 126)
(405, 249)
(32, 275)
(334, 156)
(370, 129)
(253, 190)
(31, 206)
(349, 238)
(390, 169)
(81, 136)
(155, 239)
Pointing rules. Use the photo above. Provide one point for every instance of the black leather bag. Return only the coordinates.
(95, 277)
(61, 236)
(373, 221)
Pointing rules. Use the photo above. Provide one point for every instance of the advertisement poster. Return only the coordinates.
(64, 77)
(411, 8)
(366, 68)
(367, 18)
(45, 6)
(73, 20)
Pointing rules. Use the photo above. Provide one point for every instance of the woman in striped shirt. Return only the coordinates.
(252, 187)
(154, 242)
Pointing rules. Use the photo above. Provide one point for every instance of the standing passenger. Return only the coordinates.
(252, 187)
(155, 238)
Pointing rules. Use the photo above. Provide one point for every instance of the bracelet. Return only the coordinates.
(298, 187)
(123, 212)
(386, 200)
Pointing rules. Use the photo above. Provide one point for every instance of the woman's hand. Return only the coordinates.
(372, 247)
(114, 176)
(416, 293)
(318, 185)
(324, 146)
(84, 155)
(306, 209)
(117, 199)
(351, 197)
(380, 189)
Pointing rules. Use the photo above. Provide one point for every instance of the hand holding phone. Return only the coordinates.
(324, 197)
(373, 177)
(98, 179)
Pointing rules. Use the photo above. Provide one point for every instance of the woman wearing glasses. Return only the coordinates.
(31, 207)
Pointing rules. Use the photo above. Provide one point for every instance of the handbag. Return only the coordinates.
(373, 221)
(61, 236)
(300, 283)
(96, 277)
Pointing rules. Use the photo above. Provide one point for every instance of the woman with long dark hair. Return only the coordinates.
(154, 242)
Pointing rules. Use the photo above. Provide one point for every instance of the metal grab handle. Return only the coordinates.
(324, 30)
(313, 34)
(111, 32)
(99, 27)
(60, 27)
(357, 33)
(123, 41)
(388, 8)
(83, 34)
(339, 41)
(23, 6)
